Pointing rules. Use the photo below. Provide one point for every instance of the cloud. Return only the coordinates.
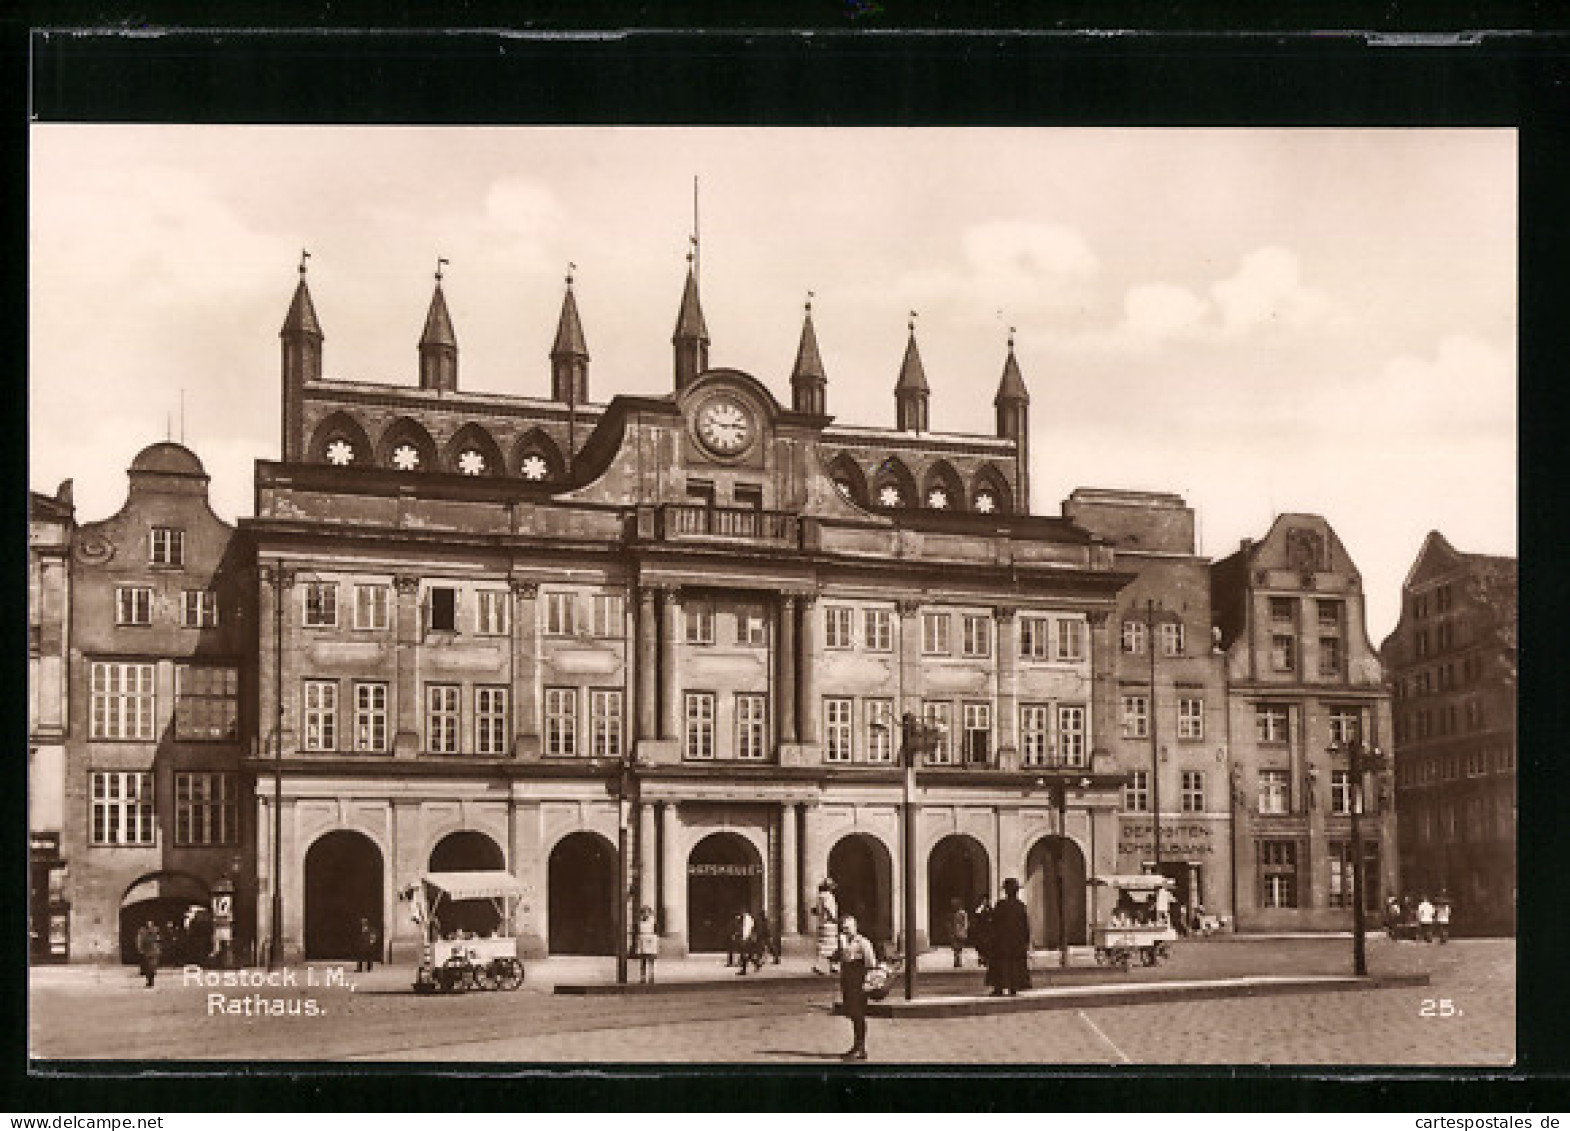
(1162, 310)
(1267, 291)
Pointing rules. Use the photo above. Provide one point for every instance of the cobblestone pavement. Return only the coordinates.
(87, 1013)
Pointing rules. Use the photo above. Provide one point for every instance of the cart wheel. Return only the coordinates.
(509, 973)
(1101, 957)
(1124, 960)
(484, 976)
(1148, 956)
(455, 975)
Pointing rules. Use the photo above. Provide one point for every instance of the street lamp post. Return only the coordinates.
(1358, 760)
(283, 579)
(917, 739)
(1155, 749)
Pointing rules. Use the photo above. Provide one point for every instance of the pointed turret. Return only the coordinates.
(910, 391)
(301, 339)
(438, 344)
(808, 382)
(1013, 406)
(691, 339)
(569, 354)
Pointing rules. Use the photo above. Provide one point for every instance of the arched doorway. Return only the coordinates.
(343, 883)
(468, 852)
(582, 899)
(724, 876)
(179, 905)
(956, 869)
(860, 866)
(1052, 858)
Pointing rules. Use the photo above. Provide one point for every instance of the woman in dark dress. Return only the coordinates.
(1010, 969)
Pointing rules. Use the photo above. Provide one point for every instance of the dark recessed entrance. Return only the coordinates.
(179, 905)
(1055, 910)
(582, 895)
(956, 869)
(343, 883)
(468, 852)
(860, 866)
(724, 878)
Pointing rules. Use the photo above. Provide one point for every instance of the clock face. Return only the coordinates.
(725, 427)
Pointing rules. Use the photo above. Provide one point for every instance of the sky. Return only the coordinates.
(1262, 321)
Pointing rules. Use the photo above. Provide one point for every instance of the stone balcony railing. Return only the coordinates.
(679, 520)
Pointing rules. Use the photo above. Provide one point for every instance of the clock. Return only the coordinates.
(724, 427)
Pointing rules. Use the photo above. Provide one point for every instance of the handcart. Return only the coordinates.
(1139, 923)
(460, 962)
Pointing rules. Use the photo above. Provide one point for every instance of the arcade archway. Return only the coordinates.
(724, 877)
(582, 883)
(468, 852)
(1055, 910)
(179, 905)
(343, 884)
(957, 869)
(860, 866)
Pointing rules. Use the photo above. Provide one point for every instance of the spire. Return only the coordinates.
(301, 339)
(910, 391)
(1011, 389)
(691, 339)
(438, 343)
(569, 353)
(301, 321)
(1013, 406)
(807, 380)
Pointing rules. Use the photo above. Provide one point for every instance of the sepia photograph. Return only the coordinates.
(607, 595)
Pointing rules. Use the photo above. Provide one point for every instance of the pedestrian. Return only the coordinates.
(768, 942)
(1442, 917)
(1010, 969)
(828, 914)
(648, 945)
(959, 930)
(855, 956)
(1392, 915)
(746, 941)
(1425, 919)
(1199, 919)
(981, 931)
(149, 951)
(733, 939)
(368, 946)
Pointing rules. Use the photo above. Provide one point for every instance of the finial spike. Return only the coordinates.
(571, 269)
(912, 322)
(440, 263)
(810, 296)
(304, 255)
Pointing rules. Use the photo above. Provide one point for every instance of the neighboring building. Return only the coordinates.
(1452, 660)
(156, 809)
(50, 523)
(1302, 676)
(1171, 744)
(475, 607)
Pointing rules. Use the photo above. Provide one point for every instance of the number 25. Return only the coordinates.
(1437, 1007)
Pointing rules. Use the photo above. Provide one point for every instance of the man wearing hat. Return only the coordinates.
(1010, 969)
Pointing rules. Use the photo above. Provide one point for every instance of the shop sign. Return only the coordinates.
(724, 869)
(1178, 838)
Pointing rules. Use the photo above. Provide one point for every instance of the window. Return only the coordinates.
(490, 721)
(879, 628)
(133, 604)
(561, 614)
(1071, 735)
(370, 717)
(1191, 719)
(609, 616)
(1422, 643)
(1329, 655)
(441, 719)
(1330, 615)
(1136, 716)
(490, 612)
(940, 716)
(1340, 791)
(1134, 636)
(1442, 598)
(976, 637)
(837, 732)
(752, 726)
(167, 546)
(123, 811)
(935, 634)
(206, 703)
(879, 714)
(199, 609)
(321, 604)
(1278, 873)
(1136, 792)
(561, 722)
(700, 725)
(1282, 649)
(837, 629)
(752, 628)
(1344, 725)
(1035, 638)
(1271, 724)
(1035, 730)
(321, 714)
(605, 725)
(441, 609)
(1281, 610)
(1275, 791)
(978, 733)
(700, 624)
(206, 809)
(370, 607)
(122, 704)
(1071, 640)
(1173, 637)
(1339, 858)
(1192, 796)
